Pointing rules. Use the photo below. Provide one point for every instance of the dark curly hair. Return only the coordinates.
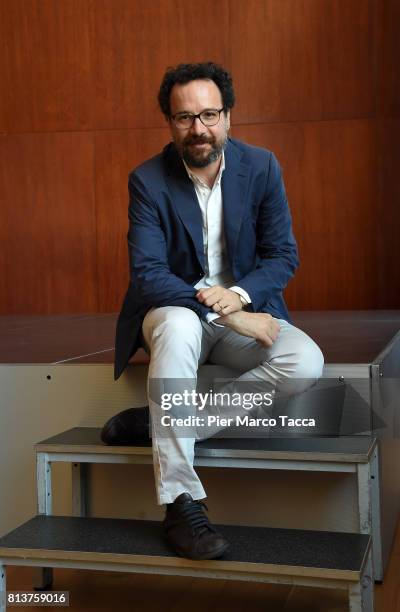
(184, 73)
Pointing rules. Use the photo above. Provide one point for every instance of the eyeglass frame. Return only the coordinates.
(194, 117)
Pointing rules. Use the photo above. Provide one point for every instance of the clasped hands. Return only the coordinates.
(227, 303)
(222, 301)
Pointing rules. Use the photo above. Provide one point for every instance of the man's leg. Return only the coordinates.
(174, 337)
(176, 342)
(290, 366)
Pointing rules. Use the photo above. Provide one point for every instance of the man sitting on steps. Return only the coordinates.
(211, 249)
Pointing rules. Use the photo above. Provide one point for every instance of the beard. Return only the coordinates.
(202, 158)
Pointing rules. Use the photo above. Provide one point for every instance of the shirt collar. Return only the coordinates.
(196, 179)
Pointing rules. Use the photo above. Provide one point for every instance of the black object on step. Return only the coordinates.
(128, 428)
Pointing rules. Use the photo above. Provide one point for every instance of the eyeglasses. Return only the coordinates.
(208, 117)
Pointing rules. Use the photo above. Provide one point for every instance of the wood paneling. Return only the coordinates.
(387, 230)
(132, 43)
(45, 65)
(387, 143)
(97, 64)
(117, 153)
(329, 169)
(388, 91)
(48, 230)
(302, 59)
(316, 81)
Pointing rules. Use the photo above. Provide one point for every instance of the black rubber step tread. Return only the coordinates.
(289, 547)
(357, 445)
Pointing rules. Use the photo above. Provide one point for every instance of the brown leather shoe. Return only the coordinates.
(189, 531)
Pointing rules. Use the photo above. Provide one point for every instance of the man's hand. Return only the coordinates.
(258, 325)
(222, 301)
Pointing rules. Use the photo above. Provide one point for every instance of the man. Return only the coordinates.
(211, 250)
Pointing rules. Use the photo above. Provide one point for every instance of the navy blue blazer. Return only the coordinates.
(165, 239)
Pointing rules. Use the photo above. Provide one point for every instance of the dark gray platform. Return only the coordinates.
(289, 547)
(344, 336)
(354, 448)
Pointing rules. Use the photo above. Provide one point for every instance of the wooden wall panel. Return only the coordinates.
(117, 153)
(387, 231)
(47, 230)
(97, 64)
(388, 91)
(329, 168)
(302, 59)
(388, 138)
(44, 64)
(132, 43)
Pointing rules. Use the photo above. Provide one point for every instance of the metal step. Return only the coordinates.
(352, 449)
(290, 556)
(358, 455)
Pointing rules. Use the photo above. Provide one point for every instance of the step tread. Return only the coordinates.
(256, 545)
(353, 448)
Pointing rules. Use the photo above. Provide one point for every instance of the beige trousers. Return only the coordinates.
(178, 342)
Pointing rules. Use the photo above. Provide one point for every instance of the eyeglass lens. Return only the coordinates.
(207, 117)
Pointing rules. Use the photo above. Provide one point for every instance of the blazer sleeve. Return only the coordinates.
(151, 279)
(277, 256)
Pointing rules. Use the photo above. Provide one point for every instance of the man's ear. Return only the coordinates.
(228, 120)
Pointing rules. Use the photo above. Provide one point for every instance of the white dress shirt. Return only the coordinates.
(217, 266)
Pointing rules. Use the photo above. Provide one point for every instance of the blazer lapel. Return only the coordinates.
(234, 183)
(185, 200)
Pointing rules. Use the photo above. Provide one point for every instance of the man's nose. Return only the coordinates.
(197, 127)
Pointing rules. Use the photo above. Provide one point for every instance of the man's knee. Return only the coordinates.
(174, 324)
(310, 361)
(301, 368)
(308, 367)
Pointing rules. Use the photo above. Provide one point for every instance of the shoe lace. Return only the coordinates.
(194, 514)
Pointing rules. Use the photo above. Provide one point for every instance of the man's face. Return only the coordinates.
(199, 145)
